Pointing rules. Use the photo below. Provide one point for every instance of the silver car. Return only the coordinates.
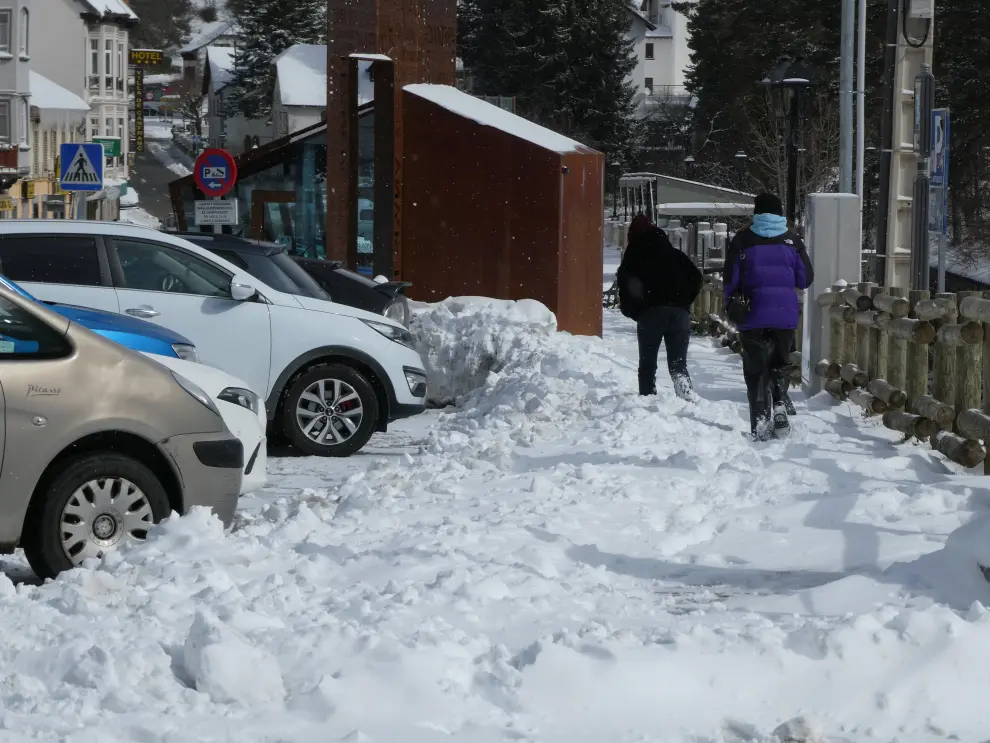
(98, 442)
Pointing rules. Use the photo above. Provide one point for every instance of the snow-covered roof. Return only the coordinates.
(208, 33)
(486, 114)
(111, 7)
(220, 61)
(50, 96)
(302, 75)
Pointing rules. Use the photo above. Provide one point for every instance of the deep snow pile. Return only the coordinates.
(555, 560)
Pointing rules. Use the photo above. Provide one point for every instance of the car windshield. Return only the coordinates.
(279, 271)
(15, 288)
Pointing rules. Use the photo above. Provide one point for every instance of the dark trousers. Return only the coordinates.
(765, 355)
(670, 326)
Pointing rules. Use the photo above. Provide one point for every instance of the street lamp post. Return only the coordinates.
(789, 79)
(742, 166)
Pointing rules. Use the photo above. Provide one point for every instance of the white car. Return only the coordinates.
(242, 409)
(331, 374)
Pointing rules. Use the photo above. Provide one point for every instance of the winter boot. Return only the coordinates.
(781, 426)
(684, 388)
(763, 429)
(788, 405)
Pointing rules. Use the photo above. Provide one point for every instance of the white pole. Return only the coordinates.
(846, 97)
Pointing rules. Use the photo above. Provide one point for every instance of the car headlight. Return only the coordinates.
(186, 352)
(196, 391)
(399, 335)
(240, 396)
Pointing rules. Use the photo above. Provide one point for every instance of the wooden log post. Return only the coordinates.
(974, 424)
(858, 298)
(852, 374)
(866, 349)
(965, 452)
(838, 388)
(872, 405)
(909, 424)
(969, 361)
(827, 369)
(945, 355)
(917, 351)
(895, 305)
(877, 343)
(978, 309)
(894, 397)
(850, 335)
(836, 333)
(942, 414)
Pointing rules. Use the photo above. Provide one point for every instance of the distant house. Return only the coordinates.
(301, 88)
(660, 40)
(226, 128)
(218, 34)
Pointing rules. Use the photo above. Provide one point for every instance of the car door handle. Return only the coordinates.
(143, 312)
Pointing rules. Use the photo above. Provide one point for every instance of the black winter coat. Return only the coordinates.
(656, 274)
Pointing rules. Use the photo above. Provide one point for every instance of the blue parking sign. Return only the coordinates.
(81, 167)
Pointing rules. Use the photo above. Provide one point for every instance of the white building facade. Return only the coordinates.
(86, 52)
(15, 90)
(660, 39)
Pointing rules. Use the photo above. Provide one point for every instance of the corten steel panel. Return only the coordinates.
(420, 36)
(485, 215)
(580, 285)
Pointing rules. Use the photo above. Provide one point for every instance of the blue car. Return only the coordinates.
(138, 335)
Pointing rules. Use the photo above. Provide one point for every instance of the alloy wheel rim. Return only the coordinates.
(329, 412)
(101, 514)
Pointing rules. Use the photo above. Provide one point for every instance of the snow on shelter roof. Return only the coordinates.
(208, 33)
(221, 62)
(486, 114)
(111, 7)
(302, 75)
(50, 96)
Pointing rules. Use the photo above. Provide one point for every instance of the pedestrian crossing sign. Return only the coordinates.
(81, 167)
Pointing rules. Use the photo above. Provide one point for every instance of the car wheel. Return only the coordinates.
(98, 501)
(330, 411)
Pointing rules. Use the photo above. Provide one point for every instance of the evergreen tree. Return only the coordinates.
(161, 25)
(267, 28)
(565, 61)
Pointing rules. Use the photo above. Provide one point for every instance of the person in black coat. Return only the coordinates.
(657, 286)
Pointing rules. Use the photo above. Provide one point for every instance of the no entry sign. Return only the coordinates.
(215, 172)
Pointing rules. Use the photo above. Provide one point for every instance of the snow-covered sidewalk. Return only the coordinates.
(554, 560)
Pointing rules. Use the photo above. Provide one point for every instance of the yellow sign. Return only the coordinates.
(27, 189)
(6, 204)
(146, 57)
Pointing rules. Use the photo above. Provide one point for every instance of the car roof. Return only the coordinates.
(93, 228)
(233, 243)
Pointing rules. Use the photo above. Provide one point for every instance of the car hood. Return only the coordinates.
(100, 321)
(334, 308)
(213, 381)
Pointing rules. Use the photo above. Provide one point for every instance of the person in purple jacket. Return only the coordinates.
(767, 264)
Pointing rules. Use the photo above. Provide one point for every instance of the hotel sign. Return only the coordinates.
(146, 57)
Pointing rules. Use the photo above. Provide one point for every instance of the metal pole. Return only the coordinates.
(792, 159)
(942, 246)
(218, 228)
(884, 227)
(861, 107)
(924, 95)
(848, 40)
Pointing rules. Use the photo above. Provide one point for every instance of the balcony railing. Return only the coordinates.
(667, 94)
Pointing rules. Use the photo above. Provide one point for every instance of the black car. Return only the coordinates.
(308, 277)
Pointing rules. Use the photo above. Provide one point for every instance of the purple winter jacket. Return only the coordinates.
(774, 269)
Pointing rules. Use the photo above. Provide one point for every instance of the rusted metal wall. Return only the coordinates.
(420, 36)
(489, 214)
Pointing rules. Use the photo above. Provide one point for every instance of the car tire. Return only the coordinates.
(91, 481)
(330, 430)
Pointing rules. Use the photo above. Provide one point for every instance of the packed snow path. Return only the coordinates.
(554, 560)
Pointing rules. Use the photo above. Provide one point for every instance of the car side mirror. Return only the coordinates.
(241, 292)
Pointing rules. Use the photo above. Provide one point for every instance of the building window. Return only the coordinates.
(94, 64)
(5, 19)
(649, 51)
(25, 122)
(25, 31)
(649, 86)
(108, 70)
(94, 128)
(5, 121)
(38, 162)
(121, 67)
